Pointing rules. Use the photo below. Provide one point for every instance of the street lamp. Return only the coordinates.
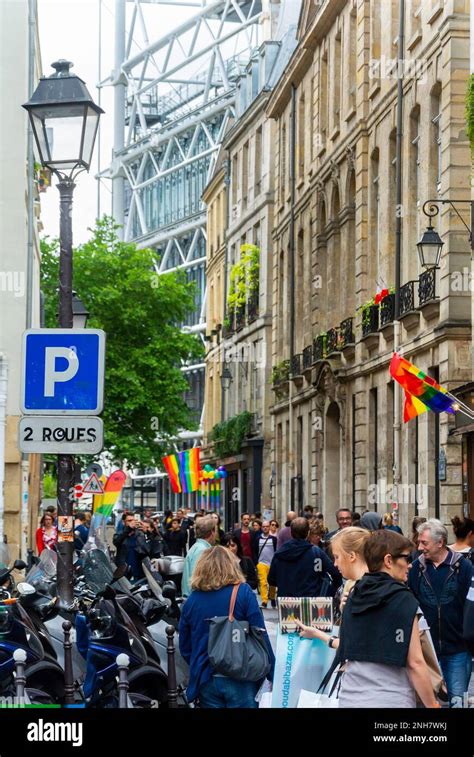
(431, 244)
(429, 248)
(64, 120)
(226, 378)
(79, 312)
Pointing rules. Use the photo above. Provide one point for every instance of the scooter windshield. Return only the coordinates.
(4, 556)
(45, 569)
(98, 571)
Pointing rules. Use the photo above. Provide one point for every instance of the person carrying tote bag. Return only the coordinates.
(216, 578)
(237, 649)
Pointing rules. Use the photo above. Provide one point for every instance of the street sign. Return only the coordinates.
(63, 372)
(93, 485)
(61, 436)
(78, 491)
(94, 468)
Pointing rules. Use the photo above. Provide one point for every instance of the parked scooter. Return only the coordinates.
(44, 676)
(105, 629)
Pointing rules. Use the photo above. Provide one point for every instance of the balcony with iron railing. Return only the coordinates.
(387, 311)
(346, 334)
(307, 358)
(332, 341)
(296, 366)
(252, 307)
(409, 314)
(319, 348)
(370, 320)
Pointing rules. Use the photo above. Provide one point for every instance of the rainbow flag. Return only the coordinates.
(172, 468)
(422, 393)
(112, 489)
(189, 466)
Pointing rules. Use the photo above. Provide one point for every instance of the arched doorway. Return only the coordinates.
(332, 465)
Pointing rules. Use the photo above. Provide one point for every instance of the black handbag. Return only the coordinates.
(235, 648)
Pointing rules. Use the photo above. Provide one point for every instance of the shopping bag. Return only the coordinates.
(310, 700)
(299, 664)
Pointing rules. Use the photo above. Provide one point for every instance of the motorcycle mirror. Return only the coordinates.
(19, 565)
(108, 592)
(169, 590)
(120, 571)
(25, 588)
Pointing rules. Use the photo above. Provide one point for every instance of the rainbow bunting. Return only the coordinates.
(172, 468)
(189, 466)
(421, 391)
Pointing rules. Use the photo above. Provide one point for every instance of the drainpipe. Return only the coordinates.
(398, 249)
(3, 421)
(292, 173)
(25, 466)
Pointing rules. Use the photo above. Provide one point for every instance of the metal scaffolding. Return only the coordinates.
(174, 96)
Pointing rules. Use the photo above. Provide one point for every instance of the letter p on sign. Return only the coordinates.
(63, 372)
(53, 376)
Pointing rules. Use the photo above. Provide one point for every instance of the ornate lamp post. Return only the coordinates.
(64, 120)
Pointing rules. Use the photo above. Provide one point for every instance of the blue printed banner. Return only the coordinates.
(300, 664)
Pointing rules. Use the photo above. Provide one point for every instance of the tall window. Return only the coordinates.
(375, 29)
(336, 105)
(311, 119)
(375, 215)
(301, 134)
(235, 178)
(323, 97)
(352, 42)
(373, 446)
(258, 161)
(415, 183)
(436, 136)
(245, 175)
(283, 164)
(395, 26)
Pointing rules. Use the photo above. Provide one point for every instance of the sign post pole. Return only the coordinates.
(65, 462)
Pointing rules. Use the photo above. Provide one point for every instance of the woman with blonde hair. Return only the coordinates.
(347, 548)
(216, 573)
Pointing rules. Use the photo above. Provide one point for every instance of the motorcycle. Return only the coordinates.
(44, 676)
(104, 629)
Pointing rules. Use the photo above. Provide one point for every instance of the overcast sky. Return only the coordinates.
(70, 29)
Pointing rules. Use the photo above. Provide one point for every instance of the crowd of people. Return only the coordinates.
(382, 582)
(387, 587)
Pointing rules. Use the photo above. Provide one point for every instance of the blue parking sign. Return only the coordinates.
(63, 371)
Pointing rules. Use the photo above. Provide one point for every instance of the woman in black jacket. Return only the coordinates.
(246, 565)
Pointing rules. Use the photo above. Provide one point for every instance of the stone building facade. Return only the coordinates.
(335, 113)
(243, 345)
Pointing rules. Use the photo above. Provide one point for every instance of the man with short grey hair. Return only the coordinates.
(206, 537)
(440, 579)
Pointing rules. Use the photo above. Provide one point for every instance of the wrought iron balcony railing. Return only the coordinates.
(387, 310)
(370, 320)
(307, 358)
(319, 348)
(332, 341)
(407, 297)
(295, 365)
(240, 318)
(427, 286)
(252, 307)
(346, 333)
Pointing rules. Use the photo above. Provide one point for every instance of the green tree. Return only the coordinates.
(141, 313)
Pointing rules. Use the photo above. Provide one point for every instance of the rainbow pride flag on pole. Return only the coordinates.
(422, 393)
(172, 468)
(189, 466)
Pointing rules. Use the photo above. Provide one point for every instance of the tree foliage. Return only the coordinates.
(141, 313)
